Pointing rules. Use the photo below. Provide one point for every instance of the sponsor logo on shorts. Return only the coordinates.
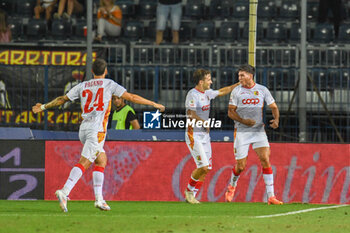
(251, 101)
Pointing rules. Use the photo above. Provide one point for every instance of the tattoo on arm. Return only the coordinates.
(57, 102)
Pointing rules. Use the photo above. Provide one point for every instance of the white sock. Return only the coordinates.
(73, 178)
(234, 178)
(98, 178)
(268, 178)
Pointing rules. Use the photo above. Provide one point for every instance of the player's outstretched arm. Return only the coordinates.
(234, 116)
(54, 103)
(140, 100)
(226, 90)
(276, 116)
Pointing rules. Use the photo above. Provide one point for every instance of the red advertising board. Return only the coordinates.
(159, 171)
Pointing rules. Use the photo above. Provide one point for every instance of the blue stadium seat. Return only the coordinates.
(16, 26)
(333, 57)
(133, 30)
(25, 8)
(323, 33)
(241, 9)
(147, 9)
(186, 31)
(61, 29)
(194, 9)
(313, 57)
(276, 32)
(344, 33)
(261, 57)
(205, 31)
(128, 8)
(312, 10)
(228, 31)
(295, 32)
(289, 10)
(227, 77)
(266, 9)
(215, 8)
(36, 29)
(274, 77)
(344, 79)
(226, 8)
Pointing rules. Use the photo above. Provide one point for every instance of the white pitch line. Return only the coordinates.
(299, 211)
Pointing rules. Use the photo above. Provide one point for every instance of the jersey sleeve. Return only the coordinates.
(117, 89)
(74, 93)
(233, 98)
(191, 102)
(211, 93)
(268, 97)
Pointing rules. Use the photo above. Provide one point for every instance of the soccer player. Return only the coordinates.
(245, 108)
(95, 97)
(197, 138)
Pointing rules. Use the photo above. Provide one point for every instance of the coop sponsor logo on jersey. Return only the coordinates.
(206, 107)
(254, 101)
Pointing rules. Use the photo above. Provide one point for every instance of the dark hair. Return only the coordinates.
(199, 75)
(99, 67)
(247, 68)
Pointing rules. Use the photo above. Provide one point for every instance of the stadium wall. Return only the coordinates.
(149, 171)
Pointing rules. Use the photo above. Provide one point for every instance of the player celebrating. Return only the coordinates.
(95, 96)
(245, 108)
(197, 138)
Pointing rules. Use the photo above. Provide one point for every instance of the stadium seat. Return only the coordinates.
(289, 10)
(295, 32)
(8, 6)
(241, 9)
(79, 29)
(320, 79)
(323, 33)
(128, 8)
(313, 57)
(344, 33)
(276, 32)
(61, 29)
(227, 77)
(344, 80)
(333, 58)
(186, 31)
(16, 26)
(267, 9)
(147, 9)
(274, 77)
(259, 32)
(194, 9)
(133, 30)
(228, 31)
(334, 79)
(25, 8)
(36, 29)
(215, 8)
(205, 31)
(226, 8)
(261, 57)
(312, 10)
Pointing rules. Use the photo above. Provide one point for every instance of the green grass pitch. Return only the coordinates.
(46, 216)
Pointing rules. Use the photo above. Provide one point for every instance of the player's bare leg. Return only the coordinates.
(264, 155)
(75, 174)
(195, 183)
(98, 178)
(236, 171)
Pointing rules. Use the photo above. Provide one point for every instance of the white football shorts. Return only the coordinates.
(200, 148)
(242, 141)
(93, 143)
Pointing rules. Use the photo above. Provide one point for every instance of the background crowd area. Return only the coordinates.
(153, 47)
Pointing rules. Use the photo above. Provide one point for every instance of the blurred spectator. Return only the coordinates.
(44, 5)
(163, 9)
(73, 6)
(124, 116)
(5, 30)
(4, 99)
(336, 7)
(109, 19)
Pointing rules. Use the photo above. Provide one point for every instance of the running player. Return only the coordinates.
(245, 108)
(197, 138)
(95, 96)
